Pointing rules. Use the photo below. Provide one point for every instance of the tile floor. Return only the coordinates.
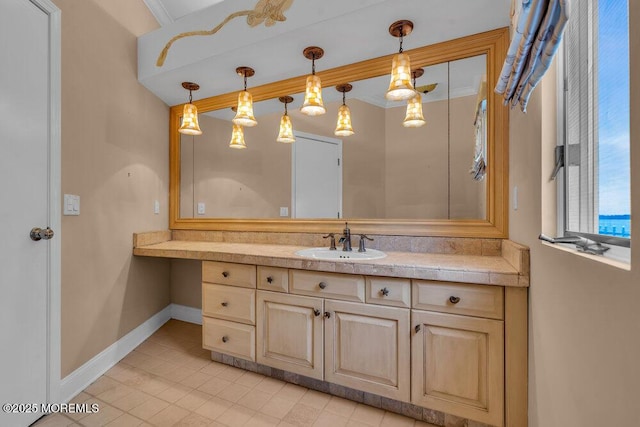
(169, 380)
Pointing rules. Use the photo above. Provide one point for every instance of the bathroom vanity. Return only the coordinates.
(439, 331)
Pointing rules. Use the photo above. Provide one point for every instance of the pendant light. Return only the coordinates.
(400, 88)
(313, 105)
(244, 115)
(190, 113)
(414, 117)
(237, 135)
(343, 127)
(286, 128)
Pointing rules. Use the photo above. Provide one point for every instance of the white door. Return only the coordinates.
(317, 177)
(26, 120)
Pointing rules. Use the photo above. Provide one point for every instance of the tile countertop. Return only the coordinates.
(510, 269)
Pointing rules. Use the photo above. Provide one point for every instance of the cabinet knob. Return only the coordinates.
(454, 300)
(417, 328)
(225, 273)
(327, 315)
(270, 279)
(316, 312)
(224, 304)
(225, 338)
(322, 285)
(384, 292)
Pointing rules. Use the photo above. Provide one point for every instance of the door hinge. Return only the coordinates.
(338, 162)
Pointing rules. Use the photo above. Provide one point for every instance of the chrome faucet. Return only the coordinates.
(346, 238)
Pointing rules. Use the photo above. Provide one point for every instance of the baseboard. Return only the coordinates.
(186, 314)
(79, 379)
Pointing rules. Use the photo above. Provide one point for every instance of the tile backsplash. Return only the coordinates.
(419, 244)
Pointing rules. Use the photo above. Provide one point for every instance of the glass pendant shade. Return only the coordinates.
(244, 115)
(237, 137)
(414, 117)
(190, 121)
(286, 130)
(313, 105)
(343, 127)
(400, 87)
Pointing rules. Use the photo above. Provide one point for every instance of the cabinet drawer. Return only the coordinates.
(327, 285)
(225, 273)
(229, 302)
(387, 291)
(459, 298)
(230, 338)
(273, 279)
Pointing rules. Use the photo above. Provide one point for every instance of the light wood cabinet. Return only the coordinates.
(458, 365)
(439, 345)
(459, 298)
(228, 308)
(235, 339)
(367, 348)
(327, 285)
(290, 333)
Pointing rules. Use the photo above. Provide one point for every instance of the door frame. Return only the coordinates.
(54, 196)
(321, 138)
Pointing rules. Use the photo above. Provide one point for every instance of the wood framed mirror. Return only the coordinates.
(491, 222)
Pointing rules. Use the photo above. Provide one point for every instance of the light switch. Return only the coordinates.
(200, 208)
(71, 205)
(284, 211)
(156, 207)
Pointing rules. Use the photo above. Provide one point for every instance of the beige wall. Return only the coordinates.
(114, 155)
(584, 345)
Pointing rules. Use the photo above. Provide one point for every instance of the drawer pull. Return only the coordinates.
(322, 285)
(327, 315)
(225, 273)
(454, 300)
(384, 292)
(225, 338)
(224, 304)
(417, 328)
(270, 279)
(316, 312)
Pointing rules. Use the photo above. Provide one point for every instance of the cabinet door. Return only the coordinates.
(367, 348)
(289, 335)
(458, 365)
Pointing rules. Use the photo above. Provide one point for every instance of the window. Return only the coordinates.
(596, 197)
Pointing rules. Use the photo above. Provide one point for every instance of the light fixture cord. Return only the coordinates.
(285, 108)
(245, 81)
(313, 64)
(401, 39)
(190, 99)
(343, 97)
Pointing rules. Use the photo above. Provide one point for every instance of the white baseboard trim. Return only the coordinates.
(186, 314)
(79, 379)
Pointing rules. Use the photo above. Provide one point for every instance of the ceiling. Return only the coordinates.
(348, 32)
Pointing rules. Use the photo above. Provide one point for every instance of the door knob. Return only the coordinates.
(38, 233)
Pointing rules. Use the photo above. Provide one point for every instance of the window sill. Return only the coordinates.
(616, 256)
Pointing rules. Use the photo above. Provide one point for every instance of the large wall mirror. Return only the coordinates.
(384, 179)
